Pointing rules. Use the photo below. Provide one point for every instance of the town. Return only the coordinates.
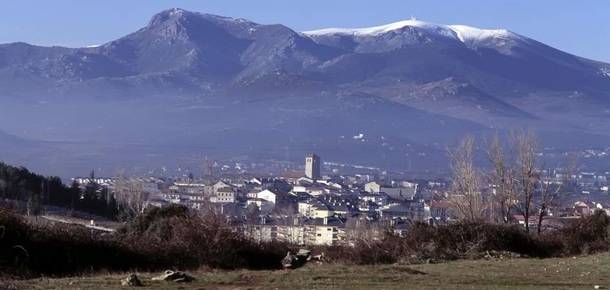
(321, 207)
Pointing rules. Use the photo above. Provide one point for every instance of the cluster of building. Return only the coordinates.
(306, 208)
(315, 209)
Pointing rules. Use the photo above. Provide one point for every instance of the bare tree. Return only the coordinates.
(527, 176)
(465, 195)
(549, 189)
(129, 195)
(502, 178)
(363, 231)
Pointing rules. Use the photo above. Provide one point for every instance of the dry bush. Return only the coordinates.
(181, 238)
(172, 237)
(471, 239)
(60, 249)
(14, 232)
(28, 250)
(424, 243)
(587, 235)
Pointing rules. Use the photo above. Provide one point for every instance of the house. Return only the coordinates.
(266, 200)
(417, 211)
(400, 193)
(325, 231)
(397, 193)
(371, 201)
(218, 185)
(267, 195)
(582, 209)
(520, 219)
(313, 190)
(298, 189)
(340, 209)
(188, 188)
(322, 235)
(263, 205)
(330, 184)
(326, 206)
(223, 195)
(321, 211)
(322, 231)
(372, 187)
(407, 184)
(306, 208)
(314, 209)
(255, 180)
(305, 181)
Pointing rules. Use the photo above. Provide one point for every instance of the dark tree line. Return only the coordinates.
(34, 191)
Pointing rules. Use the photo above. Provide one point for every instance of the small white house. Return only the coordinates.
(263, 205)
(267, 195)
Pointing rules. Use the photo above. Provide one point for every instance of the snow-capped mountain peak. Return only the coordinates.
(377, 30)
(463, 33)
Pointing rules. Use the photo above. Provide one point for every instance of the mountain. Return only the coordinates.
(190, 84)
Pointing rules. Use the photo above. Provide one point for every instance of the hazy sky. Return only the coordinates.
(579, 27)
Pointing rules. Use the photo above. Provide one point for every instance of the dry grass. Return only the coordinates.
(565, 273)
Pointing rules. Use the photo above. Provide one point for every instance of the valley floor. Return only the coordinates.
(567, 273)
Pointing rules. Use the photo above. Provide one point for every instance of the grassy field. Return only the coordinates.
(567, 273)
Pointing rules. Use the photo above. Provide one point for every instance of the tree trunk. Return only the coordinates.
(540, 217)
(527, 214)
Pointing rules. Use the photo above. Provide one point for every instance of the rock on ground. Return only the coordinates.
(132, 280)
(174, 276)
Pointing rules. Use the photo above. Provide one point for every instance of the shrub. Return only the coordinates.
(171, 237)
(176, 236)
(60, 249)
(13, 235)
(423, 242)
(465, 238)
(27, 249)
(586, 235)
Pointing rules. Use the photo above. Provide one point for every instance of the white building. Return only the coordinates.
(399, 193)
(264, 206)
(267, 195)
(314, 234)
(372, 187)
(223, 195)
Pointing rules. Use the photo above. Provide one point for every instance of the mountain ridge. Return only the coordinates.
(205, 79)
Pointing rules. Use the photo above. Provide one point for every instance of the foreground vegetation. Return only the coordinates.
(175, 237)
(583, 272)
(170, 237)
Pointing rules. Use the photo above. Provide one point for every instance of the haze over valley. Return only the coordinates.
(190, 86)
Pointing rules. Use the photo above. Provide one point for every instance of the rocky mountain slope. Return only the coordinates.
(191, 82)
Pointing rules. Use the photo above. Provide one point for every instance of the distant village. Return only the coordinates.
(326, 208)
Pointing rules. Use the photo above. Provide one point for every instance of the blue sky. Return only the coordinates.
(579, 27)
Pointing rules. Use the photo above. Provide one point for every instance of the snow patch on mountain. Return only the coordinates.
(463, 33)
(468, 33)
(377, 30)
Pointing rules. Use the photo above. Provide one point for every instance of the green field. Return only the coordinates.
(567, 273)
